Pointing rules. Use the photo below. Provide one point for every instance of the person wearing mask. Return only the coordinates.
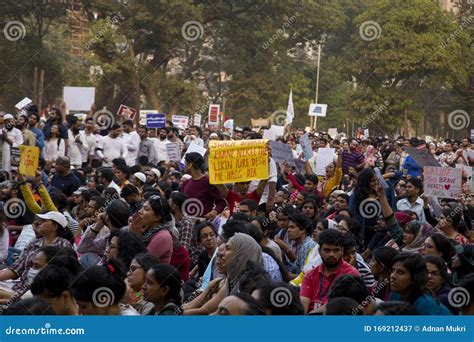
(111, 146)
(316, 283)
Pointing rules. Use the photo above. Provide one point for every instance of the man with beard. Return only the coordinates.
(74, 143)
(352, 157)
(146, 147)
(462, 153)
(29, 138)
(316, 283)
(111, 146)
(55, 118)
(33, 119)
(160, 145)
(132, 141)
(12, 138)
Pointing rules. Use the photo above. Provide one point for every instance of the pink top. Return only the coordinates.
(161, 246)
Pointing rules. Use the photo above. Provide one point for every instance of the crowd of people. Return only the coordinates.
(104, 228)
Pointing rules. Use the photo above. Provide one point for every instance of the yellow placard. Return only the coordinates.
(29, 159)
(237, 161)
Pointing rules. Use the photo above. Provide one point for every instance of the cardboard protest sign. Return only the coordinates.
(260, 122)
(174, 154)
(279, 131)
(317, 109)
(180, 121)
(79, 98)
(332, 132)
(197, 119)
(269, 134)
(442, 181)
(237, 161)
(155, 120)
(421, 157)
(324, 157)
(29, 159)
(126, 112)
(306, 146)
(282, 153)
(214, 111)
(194, 148)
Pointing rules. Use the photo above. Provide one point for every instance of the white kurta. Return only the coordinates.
(16, 137)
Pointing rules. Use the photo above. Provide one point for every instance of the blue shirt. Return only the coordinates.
(425, 305)
(39, 137)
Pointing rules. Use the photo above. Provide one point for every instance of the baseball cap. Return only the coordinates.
(54, 216)
(80, 190)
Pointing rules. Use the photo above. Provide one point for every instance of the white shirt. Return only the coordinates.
(73, 150)
(16, 137)
(111, 148)
(54, 149)
(160, 148)
(272, 178)
(89, 143)
(132, 142)
(4, 239)
(417, 207)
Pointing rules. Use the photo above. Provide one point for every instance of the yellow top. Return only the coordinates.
(31, 203)
(332, 182)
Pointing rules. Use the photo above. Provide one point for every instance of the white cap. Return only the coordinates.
(80, 190)
(8, 117)
(141, 176)
(54, 216)
(156, 172)
(186, 177)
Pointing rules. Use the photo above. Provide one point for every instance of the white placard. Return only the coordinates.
(23, 103)
(317, 109)
(197, 119)
(194, 148)
(79, 98)
(269, 134)
(442, 182)
(143, 114)
(332, 132)
(278, 130)
(324, 157)
(174, 154)
(180, 121)
(306, 146)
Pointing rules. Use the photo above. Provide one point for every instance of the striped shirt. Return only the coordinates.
(351, 159)
(365, 274)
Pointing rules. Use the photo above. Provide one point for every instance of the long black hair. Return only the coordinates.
(416, 266)
(129, 245)
(167, 275)
(362, 187)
